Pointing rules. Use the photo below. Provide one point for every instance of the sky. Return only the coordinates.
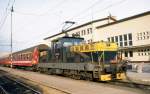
(33, 20)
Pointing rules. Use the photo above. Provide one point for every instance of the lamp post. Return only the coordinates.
(11, 46)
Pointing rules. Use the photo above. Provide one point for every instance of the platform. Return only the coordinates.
(72, 86)
(135, 77)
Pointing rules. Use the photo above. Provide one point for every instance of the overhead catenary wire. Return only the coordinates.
(61, 4)
(87, 9)
(50, 10)
(103, 9)
(5, 16)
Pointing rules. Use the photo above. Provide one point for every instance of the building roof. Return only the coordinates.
(81, 26)
(125, 19)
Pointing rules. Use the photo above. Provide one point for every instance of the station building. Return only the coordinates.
(132, 35)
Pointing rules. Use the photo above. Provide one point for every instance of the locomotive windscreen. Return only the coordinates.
(109, 56)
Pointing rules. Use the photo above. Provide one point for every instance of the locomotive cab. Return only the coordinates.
(60, 48)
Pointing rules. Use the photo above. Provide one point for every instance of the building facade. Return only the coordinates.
(132, 35)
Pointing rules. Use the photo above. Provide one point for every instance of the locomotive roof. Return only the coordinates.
(40, 47)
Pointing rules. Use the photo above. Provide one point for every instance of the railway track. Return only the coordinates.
(9, 85)
(142, 87)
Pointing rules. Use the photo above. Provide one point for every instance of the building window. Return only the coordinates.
(112, 39)
(126, 54)
(125, 43)
(131, 53)
(82, 33)
(121, 44)
(130, 43)
(130, 36)
(142, 53)
(90, 29)
(120, 37)
(138, 53)
(122, 40)
(116, 38)
(125, 37)
(108, 39)
(143, 35)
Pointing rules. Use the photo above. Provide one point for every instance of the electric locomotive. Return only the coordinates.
(69, 56)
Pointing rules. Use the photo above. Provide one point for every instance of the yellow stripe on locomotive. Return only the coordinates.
(92, 47)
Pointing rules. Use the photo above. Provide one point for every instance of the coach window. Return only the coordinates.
(21, 57)
(30, 56)
(18, 57)
(24, 56)
(27, 56)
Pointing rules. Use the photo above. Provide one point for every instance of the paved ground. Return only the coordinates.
(142, 78)
(140, 73)
(144, 67)
(73, 86)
